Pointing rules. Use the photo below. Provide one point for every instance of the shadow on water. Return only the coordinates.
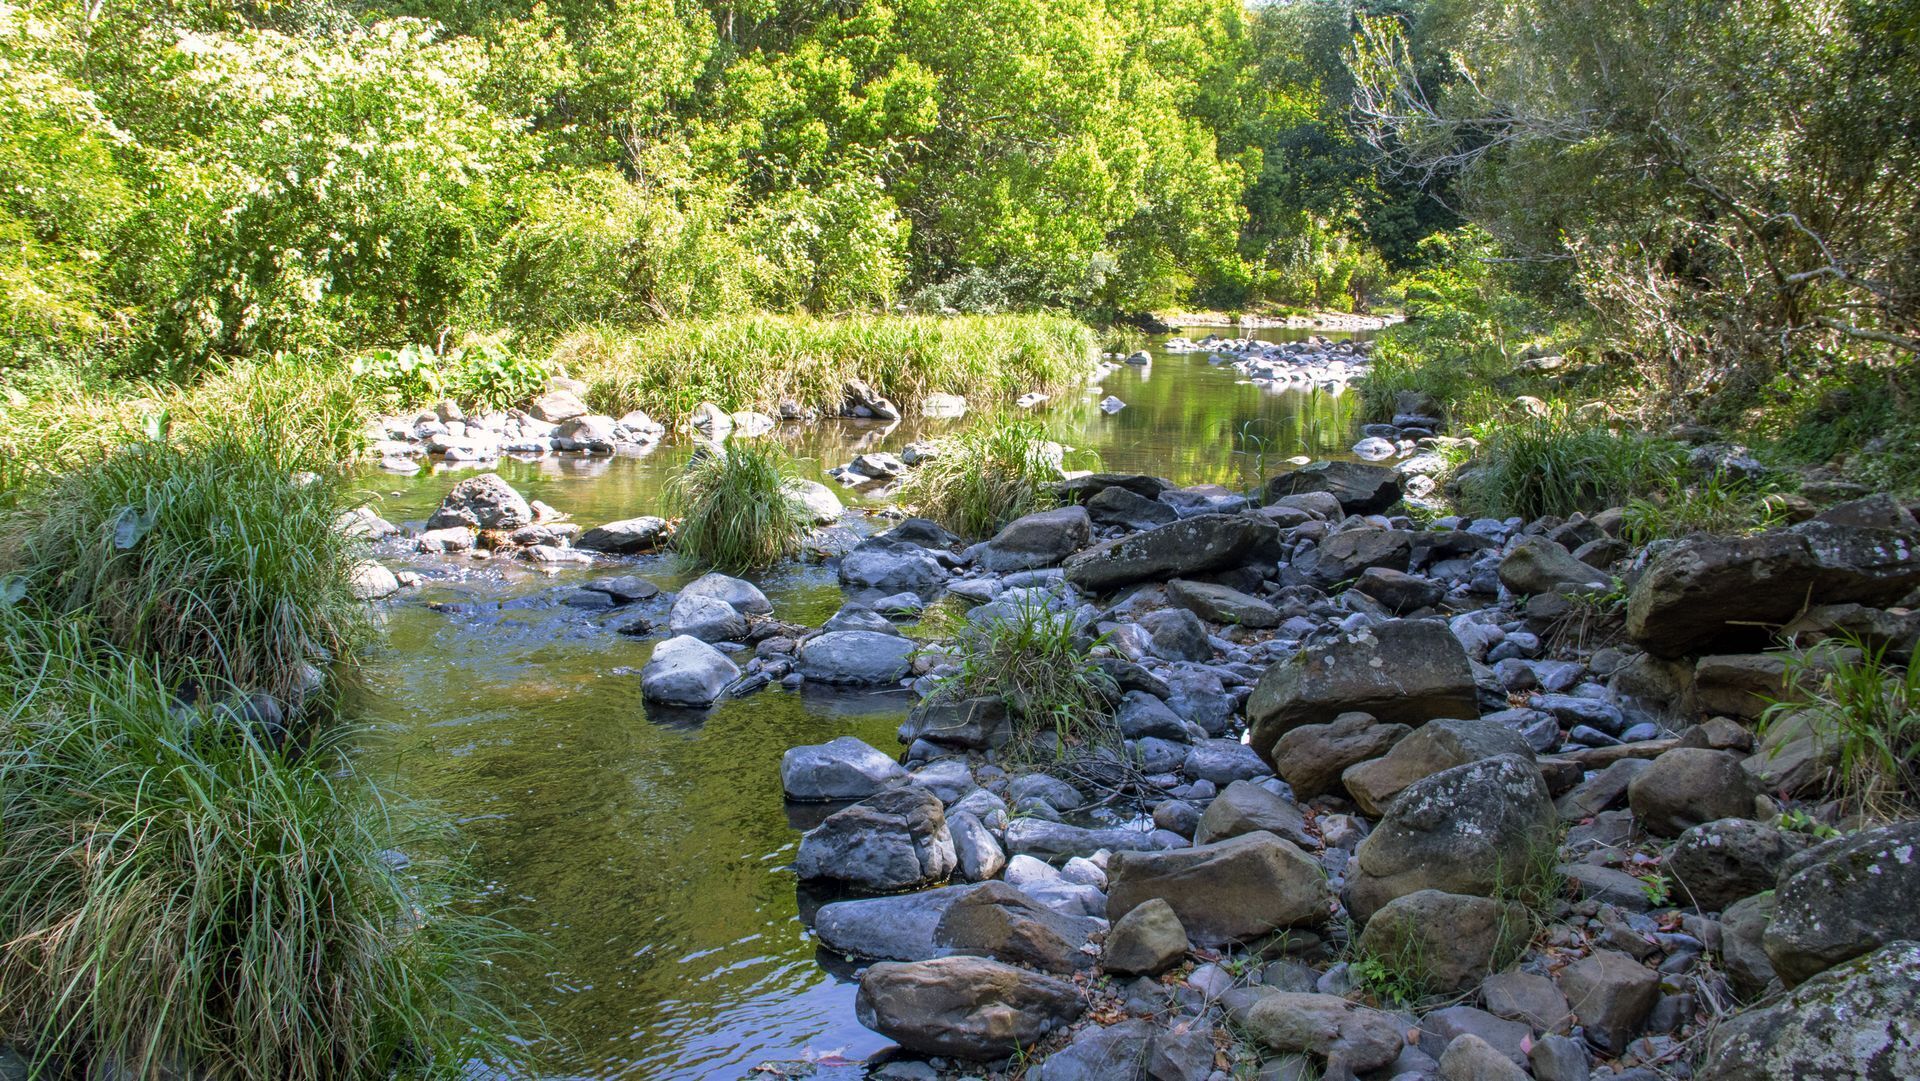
(649, 851)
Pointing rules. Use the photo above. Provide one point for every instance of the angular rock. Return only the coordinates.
(1400, 671)
(1000, 922)
(1312, 757)
(974, 724)
(1347, 555)
(1245, 807)
(1717, 863)
(1611, 994)
(898, 928)
(1202, 543)
(1222, 761)
(974, 846)
(1845, 898)
(1471, 829)
(1175, 634)
(896, 840)
(1399, 591)
(626, 536)
(706, 618)
(1856, 1022)
(1743, 949)
(1221, 604)
(1361, 489)
(1440, 744)
(1449, 941)
(840, 769)
(1537, 565)
(1116, 506)
(966, 1007)
(860, 658)
(1227, 891)
(892, 566)
(1147, 941)
(1470, 1058)
(482, 502)
(1687, 786)
(684, 671)
(1529, 998)
(1041, 539)
(1350, 1037)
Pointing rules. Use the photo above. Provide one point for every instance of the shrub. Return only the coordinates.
(177, 897)
(737, 512)
(1558, 463)
(484, 370)
(986, 476)
(1872, 709)
(214, 559)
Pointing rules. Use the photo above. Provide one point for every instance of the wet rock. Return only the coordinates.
(684, 671)
(1469, 829)
(1687, 786)
(1312, 757)
(1717, 863)
(1537, 565)
(1349, 1037)
(1117, 506)
(966, 1007)
(706, 618)
(623, 588)
(840, 769)
(1245, 807)
(1202, 543)
(1361, 489)
(625, 536)
(974, 724)
(1440, 744)
(896, 840)
(1058, 840)
(1401, 671)
(858, 617)
(1857, 1022)
(742, 595)
(1220, 604)
(1450, 941)
(896, 928)
(892, 566)
(1000, 922)
(1839, 900)
(1041, 539)
(1226, 891)
(482, 502)
(1611, 995)
(1147, 941)
(860, 658)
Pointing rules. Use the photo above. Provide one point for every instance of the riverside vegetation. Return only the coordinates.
(1578, 733)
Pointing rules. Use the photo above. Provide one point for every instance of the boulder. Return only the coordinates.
(556, 406)
(974, 846)
(1800, 755)
(1226, 891)
(1349, 1037)
(625, 536)
(840, 769)
(1059, 840)
(482, 502)
(1440, 1028)
(1857, 1022)
(1141, 715)
(1361, 489)
(892, 566)
(1245, 807)
(859, 658)
(1743, 946)
(1690, 785)
(1041, 539)
(1312, 757)
(1537, 565)
(1117, 506)
(1706, 591)
(684, 671)
(706, 618)
(1470, 1058)
(1611, 995)
(1175, 634)
(1133, 1050)
(744, 596)
(1400, 671)
(1739, 684)
(822, 507)
(1000, 922)
(1528, 997)
(897, 928)
(370, 581)
(896, 840)
(1147, 941)
(1398, 591)
(966, 1007)
(1717, 863)
(1346, 555)
(1845, 898)
(1205, 542)
(1442, 743)
(1222, 604)
(972, 724)
(1222, 761)
(1449, 941)
(1472, 829)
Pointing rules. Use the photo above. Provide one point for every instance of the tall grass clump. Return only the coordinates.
(1558, 463)
(1717, 503)
(212, 557)
(1038, 660)
(737, 512)
(1870, 707)
(986, 475)
(758, 361)
(180, 899)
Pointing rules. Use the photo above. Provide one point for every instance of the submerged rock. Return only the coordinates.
(625, 536)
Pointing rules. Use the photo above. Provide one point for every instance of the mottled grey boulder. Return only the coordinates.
(892, 566)
(1449, 941)
(1221, 604)
(1346, 555)
(1245, 807)
(840, 769)
(482, 502)
(1227, 891)
(1717, 863)
(967, 1007)
(706, 618)
(1442, 743)
(1401, 671)
(898, 928)
(1060, 840)
(1175, 634)
(896, 840)
(1859, 1021)
(974, 724)
(625, 536)
(1537, 565)
(1041, 539)
(1690, 785)
(1312, 757)
(1349, 1037)
(1361, 489)
(861, 658)
(744, 596)
(1844, 898)
(999, 921)
(1611, 995)
(1202, 543)
(684, 671)
(1118, 506)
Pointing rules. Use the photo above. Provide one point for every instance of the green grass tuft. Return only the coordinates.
(737, 514)
(992, 472)
(178, 897)
(1559, 463)
(1039, 662)
(1871, 707)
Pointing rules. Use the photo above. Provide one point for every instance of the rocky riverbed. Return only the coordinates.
(1506, 771)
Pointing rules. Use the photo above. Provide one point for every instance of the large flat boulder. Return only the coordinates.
(1440, 744)
(1360, 488)
(626, 536)
(896, 928)
(1858, 1022)
(1401, 671)
(966, 1007)
(840, 769)
(1205, 542)
(1227, 891)
(999, 921)
(1845, 898)
(1041, 539)
(858, 658)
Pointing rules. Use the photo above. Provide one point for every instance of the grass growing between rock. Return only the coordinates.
(176, 896)
(211, 557)
(737, 514)
(1557, 463)
(757, 361)
(1038, 661)
(986, 476)
(1870, 706)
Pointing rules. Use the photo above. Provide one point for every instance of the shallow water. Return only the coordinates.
(646, 851)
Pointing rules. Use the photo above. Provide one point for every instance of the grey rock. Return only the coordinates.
(1537, 565)
(974, 724)
(1245, 807)
(1845, 898)
(1470, 1058)
(1361, 489)
(1041, 539)
(1611, 994)
(1687, 786)
(1221, 604)
(1451, 941)
(1146, 941)
(1192, 545)
(892, 841)
(1859, 1021)
(1400, 671)
(1440, 744)
(1312, 757)
(1717, 863)
(1227, 891)
(892, 566)
(966, 1007)
(1349, 1037)
(898, 928)
(840, 769)
(998, 921)
(706, 618)
(684, 671)
(861, 658)
(625, 536)
(1223, 761)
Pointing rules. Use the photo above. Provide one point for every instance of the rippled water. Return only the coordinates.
(646, 851)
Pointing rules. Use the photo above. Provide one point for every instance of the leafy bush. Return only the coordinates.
(992, 472)
(737, 512)
(483, 370)
(176, 897)
(1852, 692)
(213, 558)
(1559, 463)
